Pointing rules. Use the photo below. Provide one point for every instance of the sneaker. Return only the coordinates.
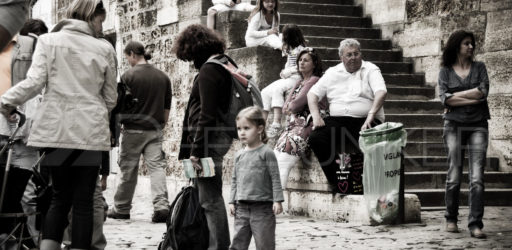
(477, 233)
(115, 215)
(451, 227)
(274, 130)
(160, 216)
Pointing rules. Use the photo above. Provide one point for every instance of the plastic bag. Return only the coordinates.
(382, 148)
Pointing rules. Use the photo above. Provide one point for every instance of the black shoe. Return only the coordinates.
(160, 216)
(115, 215)
(477, 233)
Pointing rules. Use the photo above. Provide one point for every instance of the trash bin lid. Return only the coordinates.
(386, 131)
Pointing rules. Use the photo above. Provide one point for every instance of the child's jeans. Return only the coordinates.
(254, 219)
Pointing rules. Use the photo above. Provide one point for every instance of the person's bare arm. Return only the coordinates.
(315, 111)
(378, 102)
(473, 93)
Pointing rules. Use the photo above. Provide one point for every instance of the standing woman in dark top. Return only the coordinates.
(463, 89)
(202, 136)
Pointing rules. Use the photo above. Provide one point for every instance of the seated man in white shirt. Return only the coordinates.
(355, 91)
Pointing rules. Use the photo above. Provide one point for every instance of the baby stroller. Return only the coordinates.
(17, 237)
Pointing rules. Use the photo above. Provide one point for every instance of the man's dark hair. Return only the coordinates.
(451, 50)
(35, 26)
(197, 43)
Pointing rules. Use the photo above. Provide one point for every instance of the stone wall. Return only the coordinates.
(421, 27)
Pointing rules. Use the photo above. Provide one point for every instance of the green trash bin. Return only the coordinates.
(382, 147)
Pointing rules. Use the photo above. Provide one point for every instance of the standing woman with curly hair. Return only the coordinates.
(463, 89)
(77, 69)
(203, 134)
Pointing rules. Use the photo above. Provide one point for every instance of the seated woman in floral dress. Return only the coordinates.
(293, 141)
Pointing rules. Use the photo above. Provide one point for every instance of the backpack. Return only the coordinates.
(244, 93)
(126, 103)
(187, 228)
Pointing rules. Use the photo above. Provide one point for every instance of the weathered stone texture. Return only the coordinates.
(493, 5)
(504, 149)
(430, 65)
(498, 34)
(499, 71)
(417, 9)
(386, 11)
(421, 38)
(232, 26)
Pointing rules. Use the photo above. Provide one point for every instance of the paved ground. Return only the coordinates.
(306, 233)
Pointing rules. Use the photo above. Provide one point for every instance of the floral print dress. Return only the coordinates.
(294, 138)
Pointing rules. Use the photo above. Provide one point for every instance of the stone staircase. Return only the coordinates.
(325, 23)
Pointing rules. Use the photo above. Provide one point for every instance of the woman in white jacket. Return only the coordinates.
(77, 71)
(263, 28)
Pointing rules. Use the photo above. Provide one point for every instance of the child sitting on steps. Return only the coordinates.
(273, 95)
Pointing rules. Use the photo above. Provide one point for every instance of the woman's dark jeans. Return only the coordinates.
(73, 186)
(458, 138)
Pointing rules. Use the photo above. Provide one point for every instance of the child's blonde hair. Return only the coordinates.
(254, 115)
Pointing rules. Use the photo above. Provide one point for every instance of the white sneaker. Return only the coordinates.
(274, 130)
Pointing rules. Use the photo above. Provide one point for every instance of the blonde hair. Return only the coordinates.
(254, 115)
(85, 10)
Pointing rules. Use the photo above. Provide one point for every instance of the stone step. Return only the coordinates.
(320, 8)
(435, 197)
(368, 54)
(385, 67)
(425, 148)
(334, 42)
(416, 120)
(439, 163)
(341, 208)
(411, 93)
(341, 32)
(326, 20)
(437, 180)
(342, 2)
(425, 134)
(401, 79)
(413, 106)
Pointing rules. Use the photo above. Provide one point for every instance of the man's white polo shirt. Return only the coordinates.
(351, 94)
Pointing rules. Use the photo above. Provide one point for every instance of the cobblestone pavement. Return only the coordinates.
(306, 233)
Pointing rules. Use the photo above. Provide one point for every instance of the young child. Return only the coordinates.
(220, 6)
(263, 28)
(274, 94)
(256, 192)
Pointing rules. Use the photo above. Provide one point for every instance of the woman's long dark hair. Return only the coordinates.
(452, 48)
(292, 37)
(259, 7)
(317, 71)
(138, 49)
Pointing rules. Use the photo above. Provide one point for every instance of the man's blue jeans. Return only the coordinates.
(458, 138)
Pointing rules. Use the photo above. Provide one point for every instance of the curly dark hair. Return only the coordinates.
(197, 43)
(317, 71)
(292, 37)
(451, 50)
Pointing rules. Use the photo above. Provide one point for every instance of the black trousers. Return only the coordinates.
(340, 134)
(73, 186)
(15, 187)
